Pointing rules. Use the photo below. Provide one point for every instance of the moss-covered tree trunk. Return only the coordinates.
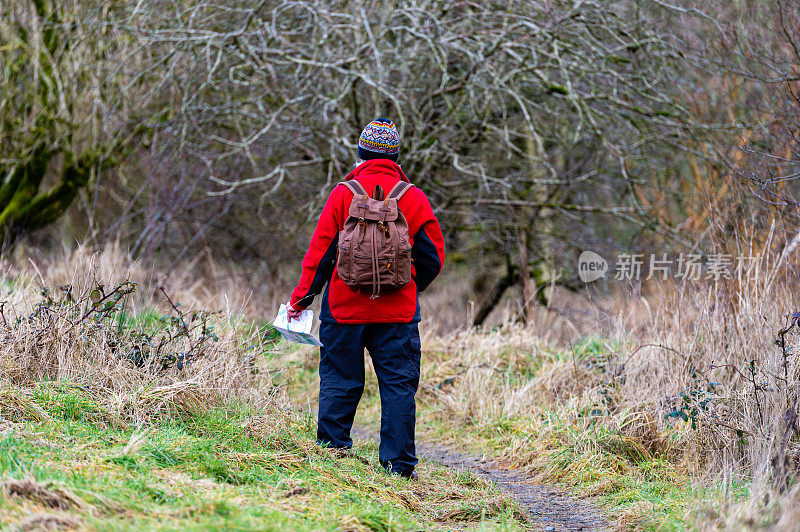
(24, 208)
(48, 154)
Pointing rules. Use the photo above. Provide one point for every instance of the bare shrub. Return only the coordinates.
(137, 355)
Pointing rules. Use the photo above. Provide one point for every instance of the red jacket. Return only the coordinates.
(343, 304)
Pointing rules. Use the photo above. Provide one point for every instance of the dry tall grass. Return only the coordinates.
(689, 374)
(56, 328)
(692, 375)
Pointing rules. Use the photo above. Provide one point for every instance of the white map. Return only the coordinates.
(297, 331)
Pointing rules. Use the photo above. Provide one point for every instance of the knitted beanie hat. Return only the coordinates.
(379, 140)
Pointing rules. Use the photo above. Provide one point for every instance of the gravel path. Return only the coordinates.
(548, 507)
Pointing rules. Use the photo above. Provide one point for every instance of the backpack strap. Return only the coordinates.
(399, 190)
(355, 187)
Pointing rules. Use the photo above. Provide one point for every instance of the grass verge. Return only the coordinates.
(67, 461)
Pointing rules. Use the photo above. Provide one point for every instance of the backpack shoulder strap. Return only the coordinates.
(355, 187)
(399, 189)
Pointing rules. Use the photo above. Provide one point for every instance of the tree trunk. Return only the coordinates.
(527, 289)
(504, 283)
(24, 209)
(542, 240)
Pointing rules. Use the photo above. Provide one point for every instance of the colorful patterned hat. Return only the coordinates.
(379, 140)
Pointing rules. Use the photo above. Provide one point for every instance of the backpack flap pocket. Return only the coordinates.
(362, 271)
(373, 210)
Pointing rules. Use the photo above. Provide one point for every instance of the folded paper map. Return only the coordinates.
(297, 331)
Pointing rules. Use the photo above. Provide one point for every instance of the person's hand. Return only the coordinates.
(292, 313)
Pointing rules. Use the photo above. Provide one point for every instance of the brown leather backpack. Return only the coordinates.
(374, 247)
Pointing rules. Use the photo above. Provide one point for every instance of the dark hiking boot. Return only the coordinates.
(410, 476)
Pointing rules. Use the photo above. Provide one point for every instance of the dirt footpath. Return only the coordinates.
(549, 508)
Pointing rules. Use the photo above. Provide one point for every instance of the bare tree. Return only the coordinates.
(538, 129)
(747, 55)
(60, 115)
(529, 124)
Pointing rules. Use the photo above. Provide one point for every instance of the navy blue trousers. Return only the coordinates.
(395, 352)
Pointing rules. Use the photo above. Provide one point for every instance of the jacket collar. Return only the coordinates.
(378, 166)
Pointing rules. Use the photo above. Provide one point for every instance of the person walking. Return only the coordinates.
(377, 245)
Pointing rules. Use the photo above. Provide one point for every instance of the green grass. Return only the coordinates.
(225, 468)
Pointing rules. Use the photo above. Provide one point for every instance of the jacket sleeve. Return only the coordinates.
(428, 250)
(320, 258)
